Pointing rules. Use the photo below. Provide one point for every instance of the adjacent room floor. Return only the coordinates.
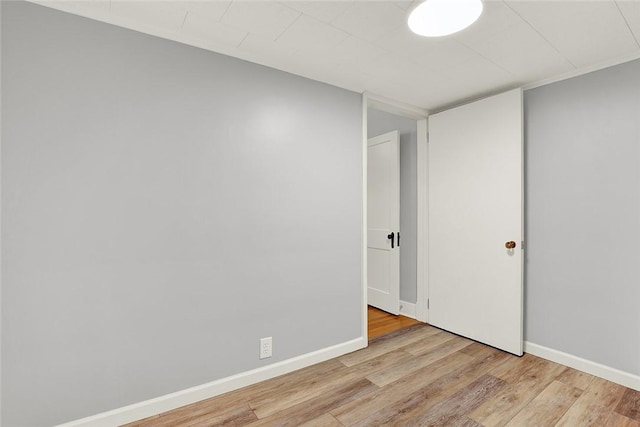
(381, 323)
(420, 376)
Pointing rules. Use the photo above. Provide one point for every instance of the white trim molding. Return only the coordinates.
(422, 291)
(392, 106)
(608, 373)
(408, 309)
(584, 70)
(363, 264)
(180, 398)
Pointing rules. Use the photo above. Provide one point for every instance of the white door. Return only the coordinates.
(475, 216)
(383, 219)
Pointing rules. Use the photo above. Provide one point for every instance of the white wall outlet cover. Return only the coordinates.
(266, 347)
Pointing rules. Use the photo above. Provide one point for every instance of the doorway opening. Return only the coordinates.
(406, 210)
(383, 119)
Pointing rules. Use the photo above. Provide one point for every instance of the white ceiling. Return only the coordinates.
(366, 45)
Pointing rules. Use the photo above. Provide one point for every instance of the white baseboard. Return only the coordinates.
(408, 309)
(614, 375)
(180, 398)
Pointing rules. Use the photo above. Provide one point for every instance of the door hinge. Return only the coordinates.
(427, 137)
(427, 303)
(522, 246)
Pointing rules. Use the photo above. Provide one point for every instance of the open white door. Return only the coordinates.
(383, 218)
(475, 215)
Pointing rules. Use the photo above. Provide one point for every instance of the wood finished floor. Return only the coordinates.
(381, 323)
(420, 376)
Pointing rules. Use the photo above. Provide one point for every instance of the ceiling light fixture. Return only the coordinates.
(436, 18)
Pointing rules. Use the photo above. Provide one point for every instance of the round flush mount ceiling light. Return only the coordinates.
(436, 18)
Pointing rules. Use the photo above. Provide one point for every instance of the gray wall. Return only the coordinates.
(379, 122)
(164, 207)
(583, 216)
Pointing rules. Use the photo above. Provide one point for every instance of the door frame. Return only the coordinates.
(381, 103)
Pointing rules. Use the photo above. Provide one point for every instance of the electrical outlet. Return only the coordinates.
(266, 346)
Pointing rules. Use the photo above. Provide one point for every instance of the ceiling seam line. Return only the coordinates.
(288, 26)
(627, 23)
(246, 36)
(225, 11)
(540, 34)
(343, 30)
(183, 21)
(487, 59)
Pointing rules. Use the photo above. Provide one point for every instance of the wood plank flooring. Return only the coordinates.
(420, 376)
(381, 323)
